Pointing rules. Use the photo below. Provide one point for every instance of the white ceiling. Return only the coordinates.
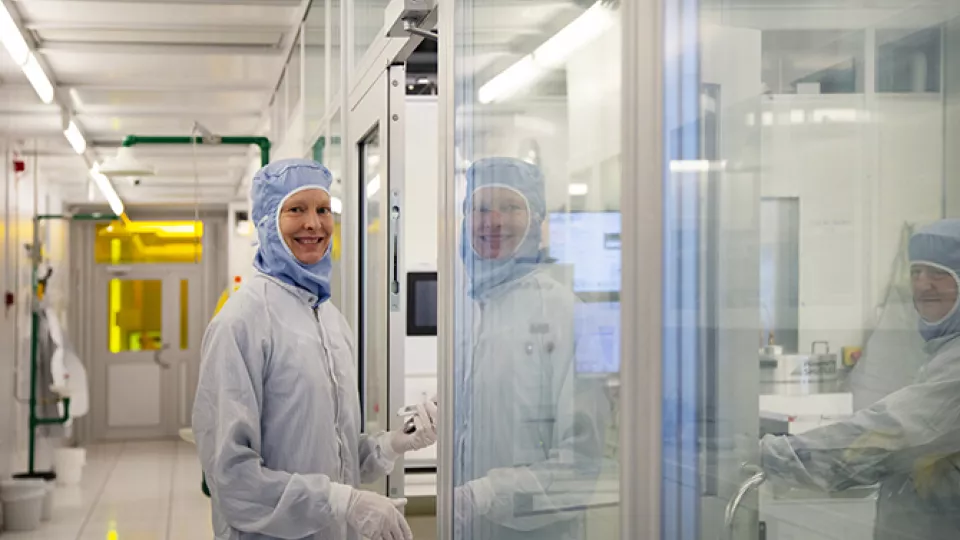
(150, 67)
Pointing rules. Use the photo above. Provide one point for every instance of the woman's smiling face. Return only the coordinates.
(500, 219)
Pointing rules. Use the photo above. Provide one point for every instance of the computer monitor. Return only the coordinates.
(421, 303)
(590, 242)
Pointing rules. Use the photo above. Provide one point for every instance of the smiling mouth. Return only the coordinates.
(309, 241)
(495, 237)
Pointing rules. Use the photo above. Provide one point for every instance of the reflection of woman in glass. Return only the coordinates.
(529, 435)
(908, 442)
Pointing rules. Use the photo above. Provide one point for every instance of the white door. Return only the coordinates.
(376, 153)
(144, 348)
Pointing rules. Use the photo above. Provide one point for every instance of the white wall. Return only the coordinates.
(862, 166)
(240, 248)
(17, 211)
(421, 168)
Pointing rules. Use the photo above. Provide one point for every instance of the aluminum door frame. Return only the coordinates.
(381, 107)
(171, 400)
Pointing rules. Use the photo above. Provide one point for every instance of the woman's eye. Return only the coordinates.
(323, 211)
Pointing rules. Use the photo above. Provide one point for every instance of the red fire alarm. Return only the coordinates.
(19, 165)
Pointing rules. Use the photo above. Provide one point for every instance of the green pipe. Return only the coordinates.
(34, 324)
(262, 142)
(62, 420)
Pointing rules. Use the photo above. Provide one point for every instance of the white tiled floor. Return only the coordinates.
(131, 491)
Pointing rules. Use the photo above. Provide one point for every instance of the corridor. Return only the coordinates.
(131, 491)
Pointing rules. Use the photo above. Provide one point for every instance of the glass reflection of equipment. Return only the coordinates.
(589, 243)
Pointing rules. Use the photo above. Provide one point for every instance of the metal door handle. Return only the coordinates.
(731, 513)
(156, 356)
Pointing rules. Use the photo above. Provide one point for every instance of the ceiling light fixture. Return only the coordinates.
(19, 50)
(75, 138)
(12, 38)
(106, 188)
(552, 54)
(125, 164)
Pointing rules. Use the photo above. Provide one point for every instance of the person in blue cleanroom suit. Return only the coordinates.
(908, 442)
(529, 433)
(277, 411)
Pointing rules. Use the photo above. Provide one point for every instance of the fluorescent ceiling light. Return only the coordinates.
(12, 38)
(552, 54)
(578, 189)
(75, 96)
(587, 27)
(336, 205)
(38, 79)
(373, 187)
(75, 138)
(512, 80)
(116, 205)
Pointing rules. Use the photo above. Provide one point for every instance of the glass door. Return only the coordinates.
(376, 127)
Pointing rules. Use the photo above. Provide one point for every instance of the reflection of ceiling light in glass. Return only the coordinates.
(578, 189)
(552, 54)
(373, 186)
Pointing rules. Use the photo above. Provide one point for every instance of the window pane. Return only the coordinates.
(148, 242)
(537, 306)
(135, 315)
(373, 282)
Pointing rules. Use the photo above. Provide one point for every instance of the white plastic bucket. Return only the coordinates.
(22, 504)
(68, 463)
(48, 485)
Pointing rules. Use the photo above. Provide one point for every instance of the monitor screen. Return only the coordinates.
(590, 242)
(421, 303)
(598, 337)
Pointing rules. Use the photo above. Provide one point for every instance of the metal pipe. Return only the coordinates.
(35, 421)
(262, 142)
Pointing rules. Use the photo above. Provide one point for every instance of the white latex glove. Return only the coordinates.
(475, 498)
(425, 422)
(376, 517)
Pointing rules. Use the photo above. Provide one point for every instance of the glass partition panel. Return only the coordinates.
(368, 18)
(537, 306)
(809, 349)
(333, 159)
(316, 73)
(373, 360)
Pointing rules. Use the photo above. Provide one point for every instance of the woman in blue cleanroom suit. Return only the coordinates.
(277, 412)
(908, 442)
(529, 433)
